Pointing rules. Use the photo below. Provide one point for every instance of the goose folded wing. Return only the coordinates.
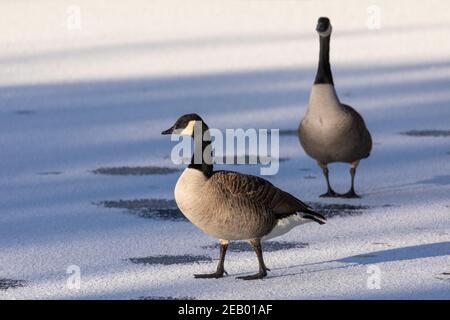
(259, 191)
(359, 128)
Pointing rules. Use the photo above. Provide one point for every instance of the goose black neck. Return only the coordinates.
(324, 75)
(202, 157)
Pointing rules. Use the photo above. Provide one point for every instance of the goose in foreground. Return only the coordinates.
(331, 131)
(232, 206)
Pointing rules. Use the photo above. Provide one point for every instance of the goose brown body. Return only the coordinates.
(234, 206)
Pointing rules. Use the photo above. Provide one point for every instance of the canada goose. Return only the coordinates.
(232, 206)
(331, 131)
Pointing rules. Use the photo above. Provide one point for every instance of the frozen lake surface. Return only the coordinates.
(86, 178)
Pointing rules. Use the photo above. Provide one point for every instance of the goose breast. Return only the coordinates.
(342, 137)
(210, 205)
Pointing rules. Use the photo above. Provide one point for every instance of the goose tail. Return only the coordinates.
(313, 215)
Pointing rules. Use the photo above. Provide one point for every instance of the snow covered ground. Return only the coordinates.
(73, 100)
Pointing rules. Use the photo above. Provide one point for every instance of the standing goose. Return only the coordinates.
(331, 131)
(232, 206)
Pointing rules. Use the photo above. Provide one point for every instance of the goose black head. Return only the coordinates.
(185, 125)
(323, 27)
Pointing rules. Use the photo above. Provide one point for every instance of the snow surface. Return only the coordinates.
(72, 101)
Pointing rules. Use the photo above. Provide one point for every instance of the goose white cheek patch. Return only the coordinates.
(189, 130)
(327, 32)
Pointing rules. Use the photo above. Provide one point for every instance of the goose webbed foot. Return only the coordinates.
(220, 267)
(330, 194)
(215, 275)
(256, 244)
(351, 195)
(261, 274)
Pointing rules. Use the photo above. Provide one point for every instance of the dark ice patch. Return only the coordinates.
(49, 173)
(162, 209)
(338, 210)
(247, 160)
(24, 112)
(381, 244)
(135, 171)
(309, 177)
(6, 284)
(445, 276)
(268, 246)
(366, 256)
(170, 259)
(427, 133)
(288, 132)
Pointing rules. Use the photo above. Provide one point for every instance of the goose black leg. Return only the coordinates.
(351, 193)
(220, 267)
(330, 192)
(256, 244)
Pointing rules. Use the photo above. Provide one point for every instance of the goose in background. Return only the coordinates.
(331, 131)
(233, 206)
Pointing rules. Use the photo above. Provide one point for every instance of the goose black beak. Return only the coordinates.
(168, 131)
(321, 27)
